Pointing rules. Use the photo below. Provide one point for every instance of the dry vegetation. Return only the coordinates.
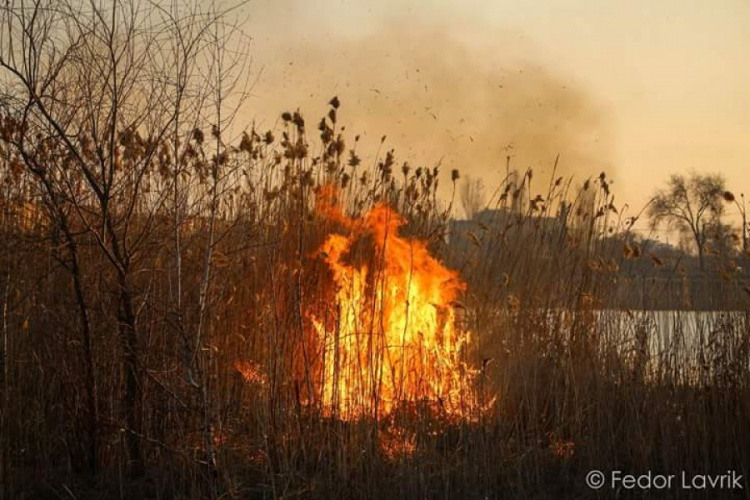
(165, 289)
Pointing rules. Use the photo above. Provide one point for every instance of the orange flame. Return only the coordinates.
(390, 338)
(251, 372)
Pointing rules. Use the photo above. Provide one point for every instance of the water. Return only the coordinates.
(697, 346)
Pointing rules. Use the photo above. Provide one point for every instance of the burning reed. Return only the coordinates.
(390, 335)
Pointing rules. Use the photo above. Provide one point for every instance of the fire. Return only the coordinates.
(389, 338)
(251, 372)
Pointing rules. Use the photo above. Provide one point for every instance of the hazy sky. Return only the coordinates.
(639, 89)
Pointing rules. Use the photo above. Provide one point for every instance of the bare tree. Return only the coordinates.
(472, 196)
(95, 95)
(691, 205)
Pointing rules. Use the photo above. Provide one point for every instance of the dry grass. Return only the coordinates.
(575, 380)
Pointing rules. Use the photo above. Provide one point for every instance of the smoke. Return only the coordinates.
(463, 97)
